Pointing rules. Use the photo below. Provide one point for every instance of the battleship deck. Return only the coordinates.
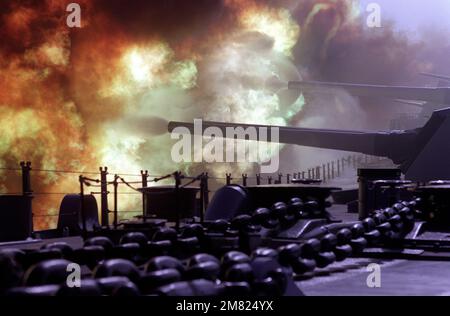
(348, 278)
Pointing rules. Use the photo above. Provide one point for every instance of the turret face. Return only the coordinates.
(423, 154)
(432, 150)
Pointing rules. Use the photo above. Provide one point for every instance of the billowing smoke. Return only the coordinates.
(75, 99)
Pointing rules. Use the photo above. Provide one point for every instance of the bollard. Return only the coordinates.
(244, 179)
(177, 176)
(203, 195)
(206, 190)
(104, 195)
(82, 207)
(144, 178)
(228, 178)
(116, 185)
(26, 178)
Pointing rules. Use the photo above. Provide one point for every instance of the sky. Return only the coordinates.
(413, 15)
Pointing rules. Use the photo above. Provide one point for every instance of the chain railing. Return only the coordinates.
(325, 173)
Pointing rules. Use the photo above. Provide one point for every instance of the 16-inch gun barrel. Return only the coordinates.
(423, 153)
(393, 144)
(435, 95)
